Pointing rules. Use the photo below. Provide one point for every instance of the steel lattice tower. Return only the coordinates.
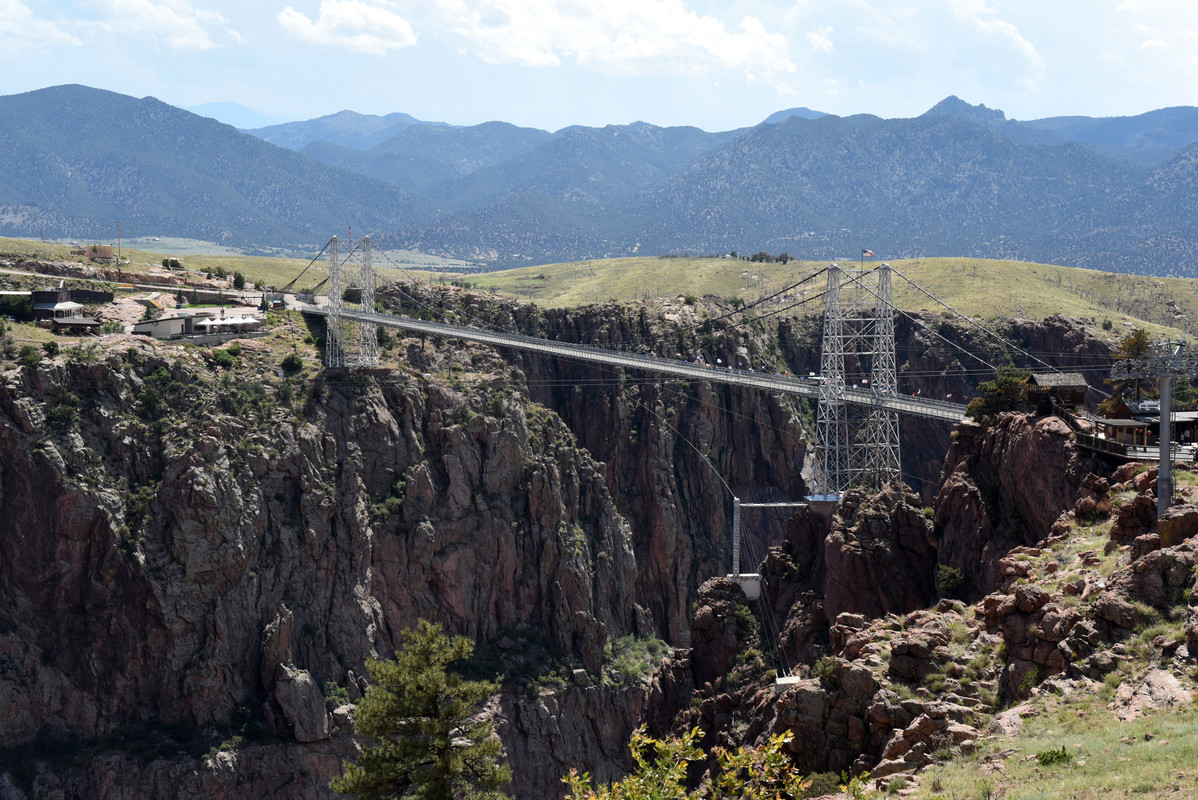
(858, 447)
(351, 288)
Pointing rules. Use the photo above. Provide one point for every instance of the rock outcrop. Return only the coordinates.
(197, 560)
(184, 550)
(1002, 487)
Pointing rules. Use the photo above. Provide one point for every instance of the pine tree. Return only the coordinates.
(1134, 345)
(427, 743)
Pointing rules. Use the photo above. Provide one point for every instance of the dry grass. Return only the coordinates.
(1151, 757)
(980, 288)
(977, 287)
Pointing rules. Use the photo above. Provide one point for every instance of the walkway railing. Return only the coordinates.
(1136, 452)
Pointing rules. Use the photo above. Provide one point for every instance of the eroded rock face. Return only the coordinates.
(167, 559)
(1002, 487)
(880, 556)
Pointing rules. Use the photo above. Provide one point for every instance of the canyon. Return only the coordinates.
(197, 560)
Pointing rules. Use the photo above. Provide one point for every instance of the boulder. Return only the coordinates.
(302, 702)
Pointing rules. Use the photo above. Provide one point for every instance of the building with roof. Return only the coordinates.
(204, 325)
(54, 303)
(1067, 389)
(54, 308)
(96, 252)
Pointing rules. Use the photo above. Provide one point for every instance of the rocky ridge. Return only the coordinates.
(893, 674)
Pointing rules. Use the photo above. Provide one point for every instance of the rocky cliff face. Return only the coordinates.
(673, 452)
(197, 559)
(208, 554)
(1004, 486)
(186, 547)
(1079, 592)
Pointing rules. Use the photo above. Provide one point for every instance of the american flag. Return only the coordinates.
(867, 253)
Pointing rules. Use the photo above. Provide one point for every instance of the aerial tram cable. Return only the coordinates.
(978, 325)
(768, 621)
(759, 301)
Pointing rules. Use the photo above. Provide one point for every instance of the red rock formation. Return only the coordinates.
(1004, 486)
(879, 556)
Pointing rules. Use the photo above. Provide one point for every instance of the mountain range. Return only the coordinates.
(1113, 194)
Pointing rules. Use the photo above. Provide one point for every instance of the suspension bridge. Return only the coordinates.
(857, 424)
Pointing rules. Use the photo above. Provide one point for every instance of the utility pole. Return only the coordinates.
(1165, 362)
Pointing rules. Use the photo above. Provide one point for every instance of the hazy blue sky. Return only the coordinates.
(548, 64)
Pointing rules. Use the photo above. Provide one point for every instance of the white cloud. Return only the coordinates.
(368, 27)
(984, 18)
(616, 37)
(22, 32)
(175, 21)
(820, 39)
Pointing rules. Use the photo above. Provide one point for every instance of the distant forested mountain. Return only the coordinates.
(74, 161)
(421, 157)
(1112, 194)
(344, 129)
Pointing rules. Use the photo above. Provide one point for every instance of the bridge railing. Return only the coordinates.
(796, 385)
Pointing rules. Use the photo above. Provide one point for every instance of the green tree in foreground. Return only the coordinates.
(427, 745)
(753, 773)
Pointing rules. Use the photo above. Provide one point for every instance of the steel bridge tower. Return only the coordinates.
(858, 446)
(351, 288)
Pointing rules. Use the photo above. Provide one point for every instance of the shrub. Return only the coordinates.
(1007, 392)
(51, 348)
(223, 358)
(951, 580)
(632, 659)
(29, 356)
(292, 363)
(1058, 756)
(1030, 679)
(745, 621)
(825, 668)
(822, 783)
(62, 417)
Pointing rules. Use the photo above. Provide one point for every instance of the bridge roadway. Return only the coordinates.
(803, 387)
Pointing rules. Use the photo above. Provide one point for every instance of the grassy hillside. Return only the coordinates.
(263, 270)
(981, 288)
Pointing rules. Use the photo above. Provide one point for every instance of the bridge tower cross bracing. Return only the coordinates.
(857, 448)
(351, 343)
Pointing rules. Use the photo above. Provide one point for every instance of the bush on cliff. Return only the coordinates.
(1007, 392)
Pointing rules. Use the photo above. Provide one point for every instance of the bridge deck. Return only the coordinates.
(803, 387)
